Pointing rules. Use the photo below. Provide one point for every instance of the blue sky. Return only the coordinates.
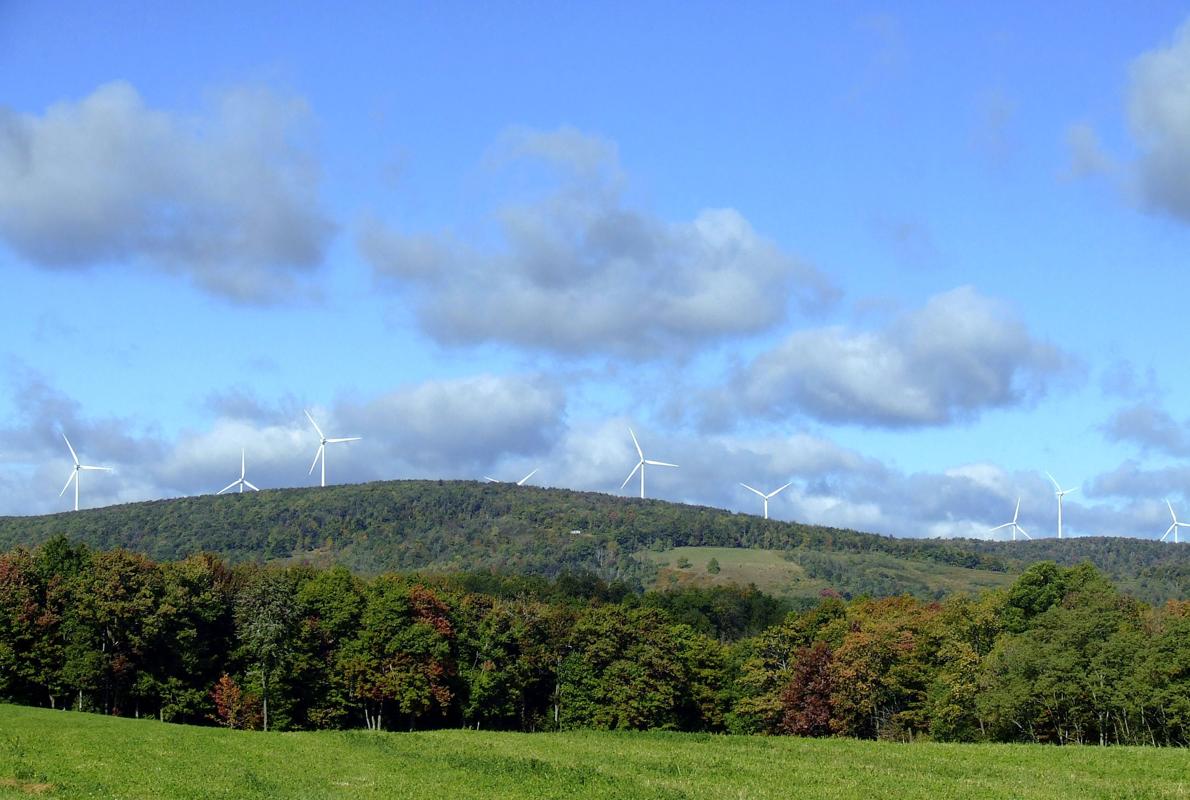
(907, 257)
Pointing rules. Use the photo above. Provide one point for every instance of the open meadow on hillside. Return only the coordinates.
(57, 754)
(805, 574)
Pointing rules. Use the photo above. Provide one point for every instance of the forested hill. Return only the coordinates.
(464, 525)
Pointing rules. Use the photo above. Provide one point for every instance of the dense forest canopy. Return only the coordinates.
(1060, 656)
(450, 526)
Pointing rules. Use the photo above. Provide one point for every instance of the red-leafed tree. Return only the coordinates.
(233, 707)
(807, 696)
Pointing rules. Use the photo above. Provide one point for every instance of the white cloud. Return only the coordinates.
(958, 355)
(460, 426)
(1159, 122)
(579, 272)
(228, 199)
(1150, 428)
(1159, 113)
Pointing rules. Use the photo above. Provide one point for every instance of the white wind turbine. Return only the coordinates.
(1173, 528)
(640, 465)
(1060, 493)
(74, 474)
(768, 496)
(322, 443)
(521, 482)
(242, 482)
(1013, 525)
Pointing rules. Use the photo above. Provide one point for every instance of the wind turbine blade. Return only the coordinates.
(521, 482)
(231, 485)
(1022, 532)
(243, 464)
(776, 492)
(1054, 482)
(998, 527)
(659, 463)
(105, 469)
(639, 452)
(1171, 514)
(250, 486)
(490, 480)
(639, 464)
(1017, 513)
(73, 474)
(754, 491)
(315, 424)
(348, 439)
(72, 453)
(317, 453)
(1068, 491)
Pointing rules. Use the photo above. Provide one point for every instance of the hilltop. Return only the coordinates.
(452, 526)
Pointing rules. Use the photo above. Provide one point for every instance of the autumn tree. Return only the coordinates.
(882, 668)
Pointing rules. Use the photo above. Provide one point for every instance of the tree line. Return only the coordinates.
(1060, 656)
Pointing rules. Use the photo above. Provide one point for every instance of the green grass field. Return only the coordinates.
(771, 572)
(63, 754)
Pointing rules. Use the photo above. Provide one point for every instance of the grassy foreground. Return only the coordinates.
(62, 754)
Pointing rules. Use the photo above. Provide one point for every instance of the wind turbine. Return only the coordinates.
(1060, 492)
(641, 465)
(322, 443)
(1013, 524)
(766, 497)
(242, 482)
(1173, 528)
(74, 475)
(521, 482)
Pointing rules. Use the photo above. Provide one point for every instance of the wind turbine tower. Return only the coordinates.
(1013, 525)
(640, 465)
(767, 497)
(1173, 528)
(322, 443)
(242, 482)
(74, 475)
(1060, 493)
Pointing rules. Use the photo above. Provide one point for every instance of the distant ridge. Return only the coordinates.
(444, 526)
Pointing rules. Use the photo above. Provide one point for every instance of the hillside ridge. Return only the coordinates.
(444, 525)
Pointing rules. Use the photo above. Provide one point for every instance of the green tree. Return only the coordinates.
(970, 629)
(331, 604)
(402, 658)
(266, 623)
(1063, 680)
(633, 669)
